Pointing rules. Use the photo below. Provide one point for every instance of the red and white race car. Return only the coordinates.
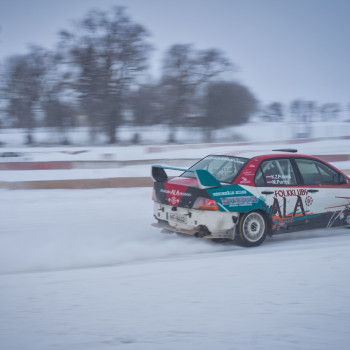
(247, 197)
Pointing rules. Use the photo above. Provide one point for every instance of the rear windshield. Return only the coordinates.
(223, 168)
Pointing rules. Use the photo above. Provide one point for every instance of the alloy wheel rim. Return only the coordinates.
(253, 227)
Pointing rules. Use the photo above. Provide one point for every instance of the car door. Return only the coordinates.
(277, 183)
(328, 192)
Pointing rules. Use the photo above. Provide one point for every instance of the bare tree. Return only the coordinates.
(145, 105)
(226, 103)
(274, 112)
(303, 111)
(106, 51)
(58, 100)
(60, 115)
(330, 111)
(23, 85)
(185, 71)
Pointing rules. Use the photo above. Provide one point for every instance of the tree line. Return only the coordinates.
(301, 111)
(98, 75)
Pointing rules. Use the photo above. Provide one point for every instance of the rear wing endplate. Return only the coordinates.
(205, 179)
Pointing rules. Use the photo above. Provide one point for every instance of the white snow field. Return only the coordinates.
(83, 269)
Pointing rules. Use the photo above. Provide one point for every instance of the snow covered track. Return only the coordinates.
(153, 291)
(60, 229)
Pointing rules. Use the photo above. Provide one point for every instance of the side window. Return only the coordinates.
(328, 175)
(276, 172)
(342, 179)
(309, 172)
(316, 173)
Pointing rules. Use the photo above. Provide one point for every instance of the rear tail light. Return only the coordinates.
(154, 196)
(205, 204)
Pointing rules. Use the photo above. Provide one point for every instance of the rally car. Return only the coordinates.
(248, 196)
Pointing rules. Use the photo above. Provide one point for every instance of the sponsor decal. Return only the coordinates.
(239, 201)
(278, 179)
(176, 192)
(227, 159)
(276, 208)
(280, 217)
(236, 198)
(289, 193)
(244, 180)
(174, 200)
(248, 172)
(229, 193)
(308, 201)
(247, 175)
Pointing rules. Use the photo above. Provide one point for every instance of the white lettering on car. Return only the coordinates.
(176, 193)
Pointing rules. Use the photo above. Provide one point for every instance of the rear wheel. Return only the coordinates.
(252, 229)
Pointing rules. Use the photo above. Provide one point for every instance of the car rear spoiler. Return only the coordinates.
(205, 179)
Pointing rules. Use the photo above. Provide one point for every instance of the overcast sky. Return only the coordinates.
(285, 49)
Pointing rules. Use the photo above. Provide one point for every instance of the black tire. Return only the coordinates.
(252, 229)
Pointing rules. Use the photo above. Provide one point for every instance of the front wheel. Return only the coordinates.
(252, 229)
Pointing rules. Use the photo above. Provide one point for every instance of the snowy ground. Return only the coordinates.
(84, 269)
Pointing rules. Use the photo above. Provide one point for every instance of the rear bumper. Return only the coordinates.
(203, 223)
